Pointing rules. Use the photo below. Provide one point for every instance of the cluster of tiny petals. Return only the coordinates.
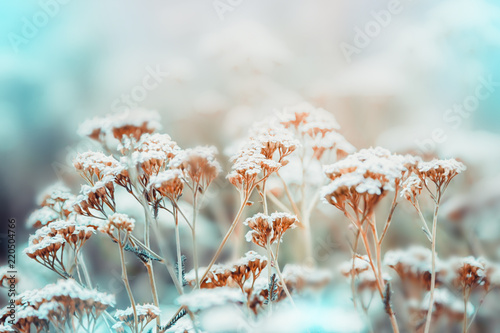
(49, 240)
(264, 153)
(7, 278)
(129, 123)
(168, 183)
(95, 196)
(467, 272)
(298, 277)
(411, 188)
(202, 299)
(145, 313)
(55, 194)
(118, 221)
(378, 163)
(96, 164)
(440, 171)
(237, 273)
(4, 328)
(45, 247)
(58, 301)
(152, 152)
(370, 172)
(269, 229)
(355, 266)
(445, 303)
(198, 164)
(41, 217)
(414, 265)
(332, 141)
(65, 290)
(308, 119)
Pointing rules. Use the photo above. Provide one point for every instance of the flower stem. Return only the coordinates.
(178, 248)
(127, 284)
(193, 231)
(433, 276)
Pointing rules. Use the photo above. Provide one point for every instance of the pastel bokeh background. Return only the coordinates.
(412, 86)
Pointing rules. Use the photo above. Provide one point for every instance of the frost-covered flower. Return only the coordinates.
(95, 165)
(167, 183)
(445, 304)
(96, 197)
(414, 265)
(60, 303)
(7, 279)
(238, 273)
(203, 299)
(355, 266)
(467, 272)
(5, 328)
(299, 277)
(152, 153)
(129, 123)
(366, 175)
(412, 187)
(119, 327)
(121, 222)
(440, 172)
(265, 153)
(42, 217)
(145, 314)
(269, 229)
(332, 141)
(198, 165)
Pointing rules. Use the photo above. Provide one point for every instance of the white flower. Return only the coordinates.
(203, 299)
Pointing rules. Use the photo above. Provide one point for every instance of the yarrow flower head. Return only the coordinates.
(265, 153)
(365, 176)
(203, 299)
(267, 230)
(412, 188)
(167, 183)
(129, 123)
(467, 273)
(247, 268)
(151, 153)
(197, 164)
(120, 222)
(60, 304)
(440, 172)
(145, 314)
(355, 266)
(94, 166)
(413, 265)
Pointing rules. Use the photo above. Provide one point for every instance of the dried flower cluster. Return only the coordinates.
(65, 305)
(141, 183)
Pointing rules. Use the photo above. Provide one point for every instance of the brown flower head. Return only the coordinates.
(168, 184)
(118, 222)
(198, 165)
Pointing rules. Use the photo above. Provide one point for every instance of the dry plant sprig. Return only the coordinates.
(316, 131)
(60, 304)
(268, 230)
(440, 173)
(145, 313)
(119, 227)
(358, 183)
